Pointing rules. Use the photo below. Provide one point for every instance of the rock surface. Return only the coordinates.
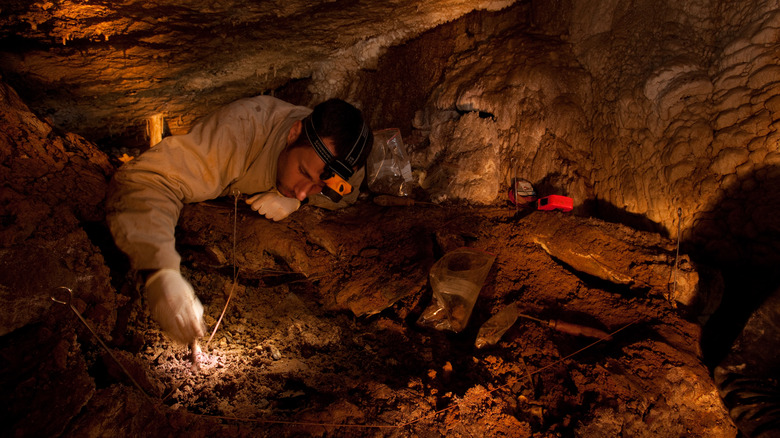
(662, 116)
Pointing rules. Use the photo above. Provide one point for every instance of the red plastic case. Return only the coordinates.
(555, 202)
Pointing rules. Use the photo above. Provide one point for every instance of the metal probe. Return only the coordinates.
(677, 256)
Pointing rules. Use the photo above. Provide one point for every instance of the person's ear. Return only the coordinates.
(295, 132)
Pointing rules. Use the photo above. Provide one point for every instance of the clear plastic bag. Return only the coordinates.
(456, 280)
(388, 168)
(495, 327)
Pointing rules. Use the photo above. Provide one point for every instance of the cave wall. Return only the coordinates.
(657, 115)
(685, 116)
(53, 187)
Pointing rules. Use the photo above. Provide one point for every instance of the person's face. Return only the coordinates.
(299, 169)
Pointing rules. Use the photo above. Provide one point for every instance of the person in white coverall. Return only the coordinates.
(262, 146)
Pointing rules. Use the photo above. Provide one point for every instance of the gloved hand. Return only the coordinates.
(273, 205)
(173, 304)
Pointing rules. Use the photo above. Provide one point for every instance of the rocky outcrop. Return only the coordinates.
(52, 185)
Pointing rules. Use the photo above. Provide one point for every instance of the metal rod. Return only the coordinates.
(523, 315)
(235, 270)
(677, 256)
(236, 195)
(514, 183)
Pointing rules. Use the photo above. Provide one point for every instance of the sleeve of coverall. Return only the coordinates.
(147, 194)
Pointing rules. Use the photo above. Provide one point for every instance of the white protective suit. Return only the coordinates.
(235, 148)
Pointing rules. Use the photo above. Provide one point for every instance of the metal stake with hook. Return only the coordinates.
(69, 303)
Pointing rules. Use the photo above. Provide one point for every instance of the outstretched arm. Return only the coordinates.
(146, 197)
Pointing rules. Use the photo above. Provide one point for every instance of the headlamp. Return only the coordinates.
(335, 186)
(337, 171)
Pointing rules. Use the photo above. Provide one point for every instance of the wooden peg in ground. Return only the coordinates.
(195, 353)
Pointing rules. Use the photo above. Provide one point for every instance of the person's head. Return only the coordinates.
(340, 129)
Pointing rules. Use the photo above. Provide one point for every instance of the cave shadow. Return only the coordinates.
(612, 213)
(738, 234)
(555, 184)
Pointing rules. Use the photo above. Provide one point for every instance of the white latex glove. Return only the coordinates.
(273, 205)
(173, 304)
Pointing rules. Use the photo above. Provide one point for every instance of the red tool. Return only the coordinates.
(555, 202)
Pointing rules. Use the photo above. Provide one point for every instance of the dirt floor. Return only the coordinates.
(323, 337)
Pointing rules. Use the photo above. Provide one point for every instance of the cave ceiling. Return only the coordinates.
(99, 68)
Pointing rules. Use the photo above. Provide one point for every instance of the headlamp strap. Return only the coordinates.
(343, 168)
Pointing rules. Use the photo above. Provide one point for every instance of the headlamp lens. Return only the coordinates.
(335, 186)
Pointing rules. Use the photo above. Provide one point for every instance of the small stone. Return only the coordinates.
(275, 353)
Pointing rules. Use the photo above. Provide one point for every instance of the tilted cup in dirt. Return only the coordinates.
(456, 280)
